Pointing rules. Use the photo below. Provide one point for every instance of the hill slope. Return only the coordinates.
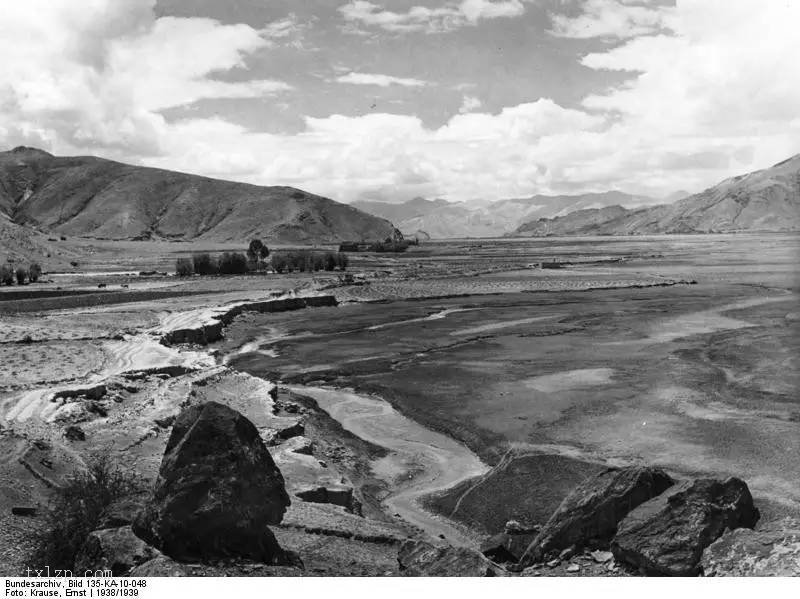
(93, 197)
(441, 219)
(765, 200)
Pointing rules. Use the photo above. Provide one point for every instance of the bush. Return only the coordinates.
(34, 272)
(184, 267)
(22, 275)
(76, 509)
(6, 275)
(232, 263)
(204, 264)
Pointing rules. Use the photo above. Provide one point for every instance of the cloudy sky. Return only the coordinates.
(391, 99)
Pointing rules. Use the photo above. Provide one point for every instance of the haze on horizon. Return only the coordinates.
(392, 99)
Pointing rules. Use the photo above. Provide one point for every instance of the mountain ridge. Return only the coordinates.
(442, 219)
(88, 196)
(765, 200)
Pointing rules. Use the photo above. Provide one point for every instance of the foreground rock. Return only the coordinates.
(419, 558)
(667, 535)
(773, 550)
(589, 516)
(115, 549)
(217, 491)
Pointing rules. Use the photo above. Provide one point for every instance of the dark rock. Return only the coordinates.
(504, 547)
(166, 421)
(115, 549)
(420, 558)
(334, 494)
(772, 550)
(122, 512)
(217, 490)
(588, 516)
(95, 392)
(74, 433)
(19, 510)
(293, 430)
(667, 535)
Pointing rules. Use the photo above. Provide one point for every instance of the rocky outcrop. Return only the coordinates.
(420, 558)
(773, 550)
(116, 549)
(93, 392)
(340, 495)
(588, 516)
(212, 330)
(217, 491)
(667, 535)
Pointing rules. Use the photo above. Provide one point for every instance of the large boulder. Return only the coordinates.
(420, 558)
(114, 549)
(772, 550)
(588, 517)
(667, 535)
(217, 490)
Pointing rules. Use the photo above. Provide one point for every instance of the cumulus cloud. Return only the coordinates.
(448, 17)
(710, 92)
(77, 76)
(612, 18)
(379, 80)
(469, 104)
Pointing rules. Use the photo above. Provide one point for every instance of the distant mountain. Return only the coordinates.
(765, 200)
(92, 197)
(441, 219)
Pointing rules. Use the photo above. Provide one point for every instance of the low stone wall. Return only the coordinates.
(208, 332)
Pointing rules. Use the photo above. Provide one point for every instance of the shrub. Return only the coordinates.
(232, 263)
(204, 264)
(22, 275)
(184, 267)
(6, 275)
(76, 509)
(34, 272)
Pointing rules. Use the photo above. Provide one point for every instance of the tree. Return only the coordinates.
(341, 260)
(279, 263)
(330, 261)
(34, 272)
(204, 264)
(232, 263)
(6, 275)
(184, 267)
(22, 275)
(254, 249)
(263, 253)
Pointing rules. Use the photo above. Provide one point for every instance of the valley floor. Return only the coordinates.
(672, 351)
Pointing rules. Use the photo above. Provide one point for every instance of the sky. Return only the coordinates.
(467, 100)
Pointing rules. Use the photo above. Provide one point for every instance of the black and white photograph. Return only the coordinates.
(361, 289)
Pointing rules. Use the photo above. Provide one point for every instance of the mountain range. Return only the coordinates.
(87, 196)
(441, 219)
(764, 200)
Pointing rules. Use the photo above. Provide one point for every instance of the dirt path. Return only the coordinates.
(420, 461)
